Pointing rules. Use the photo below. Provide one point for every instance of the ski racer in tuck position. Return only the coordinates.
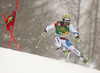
(62, 29)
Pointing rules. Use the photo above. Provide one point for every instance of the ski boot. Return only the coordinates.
(83, 59)
(64, 50)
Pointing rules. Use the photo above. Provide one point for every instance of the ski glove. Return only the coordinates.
(43, 34)
(78, 39)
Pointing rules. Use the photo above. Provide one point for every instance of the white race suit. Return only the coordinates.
(62, 39)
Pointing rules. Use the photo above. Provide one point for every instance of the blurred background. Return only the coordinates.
(33, 16)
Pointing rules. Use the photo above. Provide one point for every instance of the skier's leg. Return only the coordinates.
(69, 46)
(63, 48)
(59, 44)
(74, 50)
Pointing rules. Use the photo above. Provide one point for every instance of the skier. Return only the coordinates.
(62, 29)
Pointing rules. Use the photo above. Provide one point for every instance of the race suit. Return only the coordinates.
(61, 38)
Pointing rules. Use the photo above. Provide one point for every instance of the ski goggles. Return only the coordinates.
(66, 21)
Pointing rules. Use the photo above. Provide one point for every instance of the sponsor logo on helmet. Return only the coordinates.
(67, 19)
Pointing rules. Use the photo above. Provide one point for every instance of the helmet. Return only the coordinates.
(66, 17)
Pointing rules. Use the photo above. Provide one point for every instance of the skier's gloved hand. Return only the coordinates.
(43, 34)
(78, 39)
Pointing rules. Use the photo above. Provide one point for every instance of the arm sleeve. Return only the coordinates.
(51, 26)
(73, 30)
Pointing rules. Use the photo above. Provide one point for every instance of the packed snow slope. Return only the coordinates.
(19, 62)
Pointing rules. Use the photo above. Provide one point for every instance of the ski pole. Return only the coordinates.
(39, 41)
(83, 51)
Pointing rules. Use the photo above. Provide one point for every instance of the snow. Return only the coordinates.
(10, 5)
(6, 36)
(19, 62)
